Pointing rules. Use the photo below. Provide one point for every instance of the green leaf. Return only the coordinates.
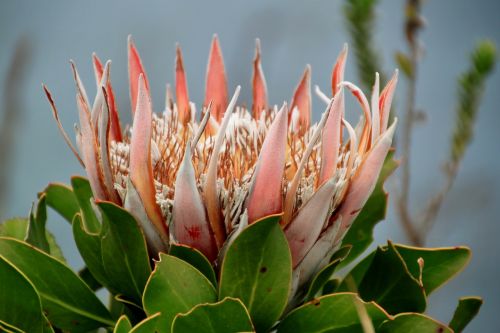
(89, 246)
(257, 269)
(360, 234)
(36, 234)
(148, 325)
(383, 277)
(330, 286)
(440, 264)
(17, 228)
(123, 325)
(413, 323)
(66, 299)
(331, 313)
(175, 287)
(124, 254)
(195, 258)
(89, 279)
(62, 199)
(19, 300)
(467, 309)
(326, 272)
(226, 316)
(84, 196)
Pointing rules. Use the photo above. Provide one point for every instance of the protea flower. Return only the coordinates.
(199, 178)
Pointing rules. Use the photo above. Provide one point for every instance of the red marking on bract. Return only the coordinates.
(193, 231)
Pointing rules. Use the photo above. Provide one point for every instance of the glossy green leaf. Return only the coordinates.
(18, 227)
(326, 272)
(195, 258)
(413, 323)
(89, 279)
(19, 300)
(62, 199)
(84, 196)
(360, 234)
(330, 286)
(467, 309)
(36, 234)
(89, 246)
(123, 325)
(66, 299)
(440, 264)
(124, 253)
(226, 316)
(331, 313)
(383, 277)
(175, 287)
(257, 269)
(148, 325)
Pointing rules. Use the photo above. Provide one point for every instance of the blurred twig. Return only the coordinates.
(470, 90)
(360, 20)
(413, 25)
(11, 112)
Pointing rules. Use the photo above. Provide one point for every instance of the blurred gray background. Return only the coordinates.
(293, 33)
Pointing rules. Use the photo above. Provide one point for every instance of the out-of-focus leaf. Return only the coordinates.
(404, 64)
(326, 273)
(331, 313)
(226, 316)
(20, 305)
(360, 234)
(467, 309)
(17, 228)
(195, 258)
(123, 325)
(62, 199)
(440, 264)
(67, 300)
(84, 196)
(384, 278)
(36, 234)
(413, 323)
(175, 287)
(330, 286)
(257, 269)
(124, 254)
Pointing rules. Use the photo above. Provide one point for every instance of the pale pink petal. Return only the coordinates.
(55, 114)
(302, 101)
(294, 184)
(365, 178)
(135, 68)
(216, 83)
(79, 84)
(319, 254)
(191, 226)
(375, 109)
(210, 190)
(103, 137)
(89, 151)
(266, 192)
(338, 70)
(115, 132)
(332, 138)
(306, 227)
(258, 84)
(385, 101)
(133, 203)
(365, 107)
(141, 170)
(181, 89)
(99, 98)
(353, 145)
